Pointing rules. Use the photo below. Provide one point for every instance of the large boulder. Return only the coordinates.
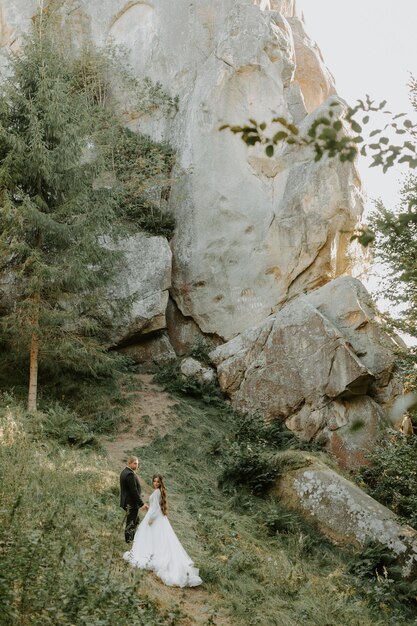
(347, 514)
(348, 305)
(318, 365)
(291, 217)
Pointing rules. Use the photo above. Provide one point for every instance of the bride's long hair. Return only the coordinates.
(164, 502)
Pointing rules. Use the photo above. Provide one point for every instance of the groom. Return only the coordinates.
(130, 496)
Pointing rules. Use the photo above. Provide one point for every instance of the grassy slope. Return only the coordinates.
(286, 580)
(60, 538)
(61, 541)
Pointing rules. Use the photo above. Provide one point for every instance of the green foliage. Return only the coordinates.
(372, 560)
(142, 168)
(138, 168)
(53, 215)
(200, 351)
(248, 458)
(98, 401)
(392, 477)
(394, 235)
(62, 425)
(395, 248)
(328, 136)
(249, 466)
(280, 520)
(71, 178)
(375, 570)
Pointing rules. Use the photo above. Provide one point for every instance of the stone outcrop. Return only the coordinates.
(145, 279)
(251, 232)
(315, 80)
(321, 365)
(191, 368)
(346, 514)
(150, 350)
(289, 216)
(348, 305)
(183, 332)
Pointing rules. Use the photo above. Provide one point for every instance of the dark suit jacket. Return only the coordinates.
(130, 492)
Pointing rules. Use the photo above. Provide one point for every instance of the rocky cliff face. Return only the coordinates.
(252, 233)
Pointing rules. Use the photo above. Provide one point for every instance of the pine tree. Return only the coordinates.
(54, 214)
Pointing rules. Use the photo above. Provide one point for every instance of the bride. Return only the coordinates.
(156, 546)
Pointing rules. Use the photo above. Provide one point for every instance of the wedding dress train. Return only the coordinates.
(156, 547)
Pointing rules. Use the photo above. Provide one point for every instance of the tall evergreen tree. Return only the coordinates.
(54, 214)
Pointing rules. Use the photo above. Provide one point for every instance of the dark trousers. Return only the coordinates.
(132, 519)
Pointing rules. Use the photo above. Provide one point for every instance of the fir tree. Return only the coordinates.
(54, 214)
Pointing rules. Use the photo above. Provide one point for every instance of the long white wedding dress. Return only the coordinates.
(156, 547)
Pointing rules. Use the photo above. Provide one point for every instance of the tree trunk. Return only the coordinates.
(33, 375)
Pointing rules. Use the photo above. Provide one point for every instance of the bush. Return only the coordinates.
(64, 426)
(247, 466)
(279, 520)
(249, 456)
(392, 477)
(200, 351)
(376, 573)
(143, 171)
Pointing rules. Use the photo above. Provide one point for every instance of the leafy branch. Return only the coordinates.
(340, 133)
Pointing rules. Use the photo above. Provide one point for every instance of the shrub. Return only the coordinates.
(64, 426)
(376, 573)
(200, 351)
(279, 520)
(392, 477)
(249, 456)
(247, 466)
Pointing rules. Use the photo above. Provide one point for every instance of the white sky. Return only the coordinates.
(370, 46)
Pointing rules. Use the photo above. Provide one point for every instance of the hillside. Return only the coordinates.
(62, 537)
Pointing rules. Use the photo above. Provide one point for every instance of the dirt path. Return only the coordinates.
(151, 415)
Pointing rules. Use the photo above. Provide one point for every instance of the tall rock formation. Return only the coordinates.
(251, 232)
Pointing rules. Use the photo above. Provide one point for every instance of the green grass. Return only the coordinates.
(268, 566)
(61, 538)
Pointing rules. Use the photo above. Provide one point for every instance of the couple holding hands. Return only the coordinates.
(155, 545)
